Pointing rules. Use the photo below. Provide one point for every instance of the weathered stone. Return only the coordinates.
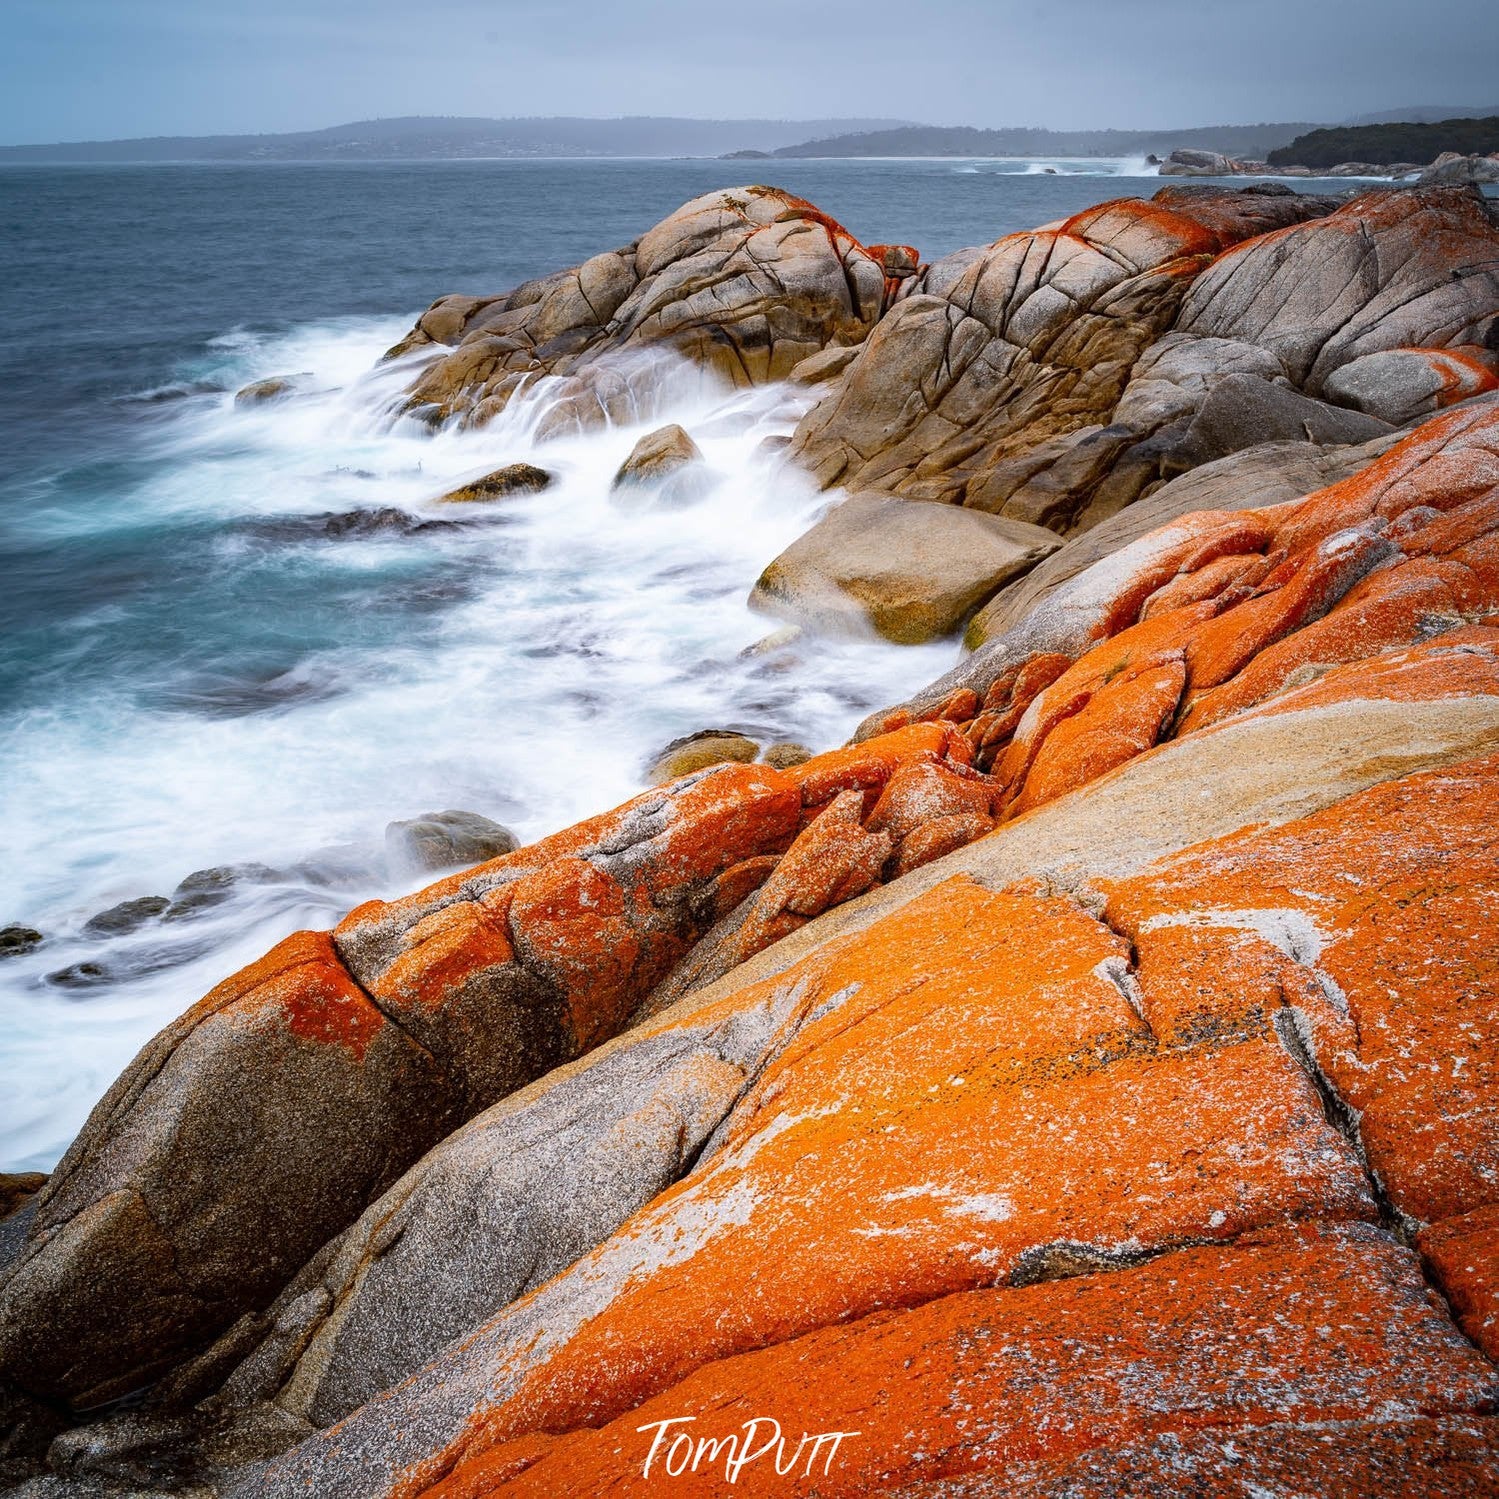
(911, 571)
(698, 751)
(658, 457)
(501, 484)
(1378, 274)
(445, 840)
(996, 381)
(746, 283)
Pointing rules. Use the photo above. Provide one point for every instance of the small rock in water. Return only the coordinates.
(211, 887)
(445, 840)
(15, 940)
(667, 458)
(128, 916)
(786, 754)
(698, 751)
(277, 388)
(777, 640)
(513, 479)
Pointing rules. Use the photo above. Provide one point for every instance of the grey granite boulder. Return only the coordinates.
(908, 570)
(445, 840)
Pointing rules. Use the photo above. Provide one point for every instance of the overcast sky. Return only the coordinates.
(95, 69)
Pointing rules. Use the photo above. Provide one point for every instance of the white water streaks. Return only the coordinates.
(1058, 166)
(524, 665)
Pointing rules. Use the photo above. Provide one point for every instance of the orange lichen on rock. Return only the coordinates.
(1384, 908)
(301, 985)
(1251, 605)
(1297, 1327)
(1463, 1256)
(979, 1101)
(868, 766)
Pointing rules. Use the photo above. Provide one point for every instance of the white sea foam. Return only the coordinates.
(1058, 166)
(590, 628)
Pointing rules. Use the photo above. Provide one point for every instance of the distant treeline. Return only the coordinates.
(1384, 145)
(964, 140)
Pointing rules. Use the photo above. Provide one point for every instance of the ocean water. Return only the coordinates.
(197, 670)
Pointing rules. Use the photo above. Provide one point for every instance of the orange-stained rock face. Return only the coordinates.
(1295, 1326)
(1463, 1254)
(1381, 909)
(1234, 612)
(1237, 1070)
(301, 985)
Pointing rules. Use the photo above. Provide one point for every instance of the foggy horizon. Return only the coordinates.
(143, 68)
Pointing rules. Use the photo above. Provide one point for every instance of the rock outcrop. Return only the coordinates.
(746, 283)
(1082, 1083)
(1058, 376)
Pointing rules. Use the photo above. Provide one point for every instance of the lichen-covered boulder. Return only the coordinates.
(1404, 385)
(1254, 575)
(1073, 1101)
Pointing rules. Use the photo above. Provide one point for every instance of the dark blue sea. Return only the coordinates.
(197, 670)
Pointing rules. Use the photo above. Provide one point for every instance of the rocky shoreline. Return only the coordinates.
(1082, 1082)
(1451, 168)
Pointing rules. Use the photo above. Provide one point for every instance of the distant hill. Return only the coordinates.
(963, 140)
(1383, 145)
(1422, 114)
(434, 137)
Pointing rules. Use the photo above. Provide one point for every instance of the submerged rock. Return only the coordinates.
(128, 916)
(513, 479)
(276, 388)
(445, 840)
(205, 888)
(912, 572)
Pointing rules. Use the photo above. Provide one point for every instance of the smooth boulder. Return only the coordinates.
(657, 456)
(911, 571)
(1405, 385)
